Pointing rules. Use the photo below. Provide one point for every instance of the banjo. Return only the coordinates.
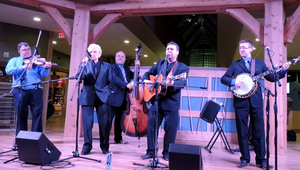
(249, 85)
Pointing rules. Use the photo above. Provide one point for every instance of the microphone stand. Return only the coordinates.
(154, 163)
(76, 153)
(267, 93)
(275, 107)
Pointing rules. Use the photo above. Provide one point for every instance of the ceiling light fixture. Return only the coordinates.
(126, 41)
(256, 39)
(145, 55)
(37, 19)
(54, 42)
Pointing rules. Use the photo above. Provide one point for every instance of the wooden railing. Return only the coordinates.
(7, 109)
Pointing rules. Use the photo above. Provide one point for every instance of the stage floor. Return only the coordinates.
(124, 155)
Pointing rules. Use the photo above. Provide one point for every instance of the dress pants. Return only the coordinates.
(116, 112)
(258, 133)
(88, 121)
(170, 126)
(23, 99)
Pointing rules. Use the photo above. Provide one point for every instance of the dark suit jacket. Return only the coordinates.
(94, 86)
(171, 101)
(238, 67)
(118, 85)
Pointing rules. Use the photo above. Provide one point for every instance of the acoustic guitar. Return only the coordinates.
(149, 93)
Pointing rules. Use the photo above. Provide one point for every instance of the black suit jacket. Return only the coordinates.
(238, 67)
(171, 101)
(118, 85)
(94, 86)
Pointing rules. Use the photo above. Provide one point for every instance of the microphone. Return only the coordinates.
(89, 54)
(167, 56)
(267, 48)
(139, 45)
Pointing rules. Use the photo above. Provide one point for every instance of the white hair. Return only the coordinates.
(94, 46)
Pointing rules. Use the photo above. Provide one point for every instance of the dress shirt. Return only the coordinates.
(15, 68)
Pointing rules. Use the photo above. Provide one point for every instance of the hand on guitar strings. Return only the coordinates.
(169, 82)
(238, 83)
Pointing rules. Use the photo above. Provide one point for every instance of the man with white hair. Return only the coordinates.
(94, 94)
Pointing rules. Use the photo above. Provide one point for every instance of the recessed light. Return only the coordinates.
(37, 19)
(145, 55)
(136, 49)
(54, 42)
(126, 41)
(154, 62)
(256, 39)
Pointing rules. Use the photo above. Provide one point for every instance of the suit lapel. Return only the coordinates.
(101, 71)
(90, 70)
(243, 66)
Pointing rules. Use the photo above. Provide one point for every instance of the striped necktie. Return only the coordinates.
(123, 72)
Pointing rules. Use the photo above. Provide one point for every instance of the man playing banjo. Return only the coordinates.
(252, 104)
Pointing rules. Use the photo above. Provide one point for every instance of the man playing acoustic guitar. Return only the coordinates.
(251, 105)
(168, 105)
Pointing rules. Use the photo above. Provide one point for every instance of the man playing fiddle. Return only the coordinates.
(31, 95)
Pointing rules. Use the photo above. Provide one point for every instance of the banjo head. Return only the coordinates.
(247, 88)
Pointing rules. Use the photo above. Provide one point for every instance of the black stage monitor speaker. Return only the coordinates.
(185, 157)
(35, 148)
(210, 110)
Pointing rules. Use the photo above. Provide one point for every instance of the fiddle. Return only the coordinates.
(39, 62)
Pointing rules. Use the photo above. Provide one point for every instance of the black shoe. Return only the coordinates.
(147, 156)
(105, 151)
(166, 157)
(15, 147)
(86, 149)
(242, 164)
(263, 165)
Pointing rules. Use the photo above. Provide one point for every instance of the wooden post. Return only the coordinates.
(78, 49)
(274, 38)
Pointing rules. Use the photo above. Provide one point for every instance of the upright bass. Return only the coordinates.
(135, 122)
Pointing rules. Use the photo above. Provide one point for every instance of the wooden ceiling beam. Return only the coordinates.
(156, 6)
(59, 3)
(54, 3)
(59, 20)
(292, 26)
(103, 25)
(248, 21)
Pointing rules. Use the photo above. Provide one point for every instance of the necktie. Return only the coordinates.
(247, 64)
(123, 72)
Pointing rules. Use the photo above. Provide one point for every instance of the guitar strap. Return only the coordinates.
(253, 67)
(171, 71)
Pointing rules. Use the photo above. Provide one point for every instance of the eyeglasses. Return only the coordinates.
(27, 49)
(244, 48)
